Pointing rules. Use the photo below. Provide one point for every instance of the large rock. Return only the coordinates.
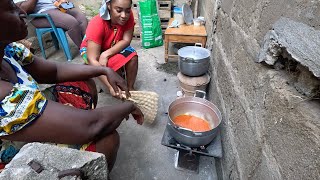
(299, 40)
(54, 159)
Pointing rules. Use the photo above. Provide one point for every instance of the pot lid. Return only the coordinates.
(187, 14)
(194, 52)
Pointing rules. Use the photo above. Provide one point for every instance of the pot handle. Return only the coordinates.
(197, 133)
(198, 44)
(185, 129)
(200, 94)
(180, 128)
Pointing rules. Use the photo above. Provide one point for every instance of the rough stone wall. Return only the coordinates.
(270, 130)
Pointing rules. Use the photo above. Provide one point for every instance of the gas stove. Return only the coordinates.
(188, 158)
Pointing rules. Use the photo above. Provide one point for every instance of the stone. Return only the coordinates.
(307, 84)
(293, 39)
(54, 159)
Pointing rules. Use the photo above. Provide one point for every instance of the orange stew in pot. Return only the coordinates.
(192, 122)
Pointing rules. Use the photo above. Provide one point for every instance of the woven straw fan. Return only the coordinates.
(147, 101)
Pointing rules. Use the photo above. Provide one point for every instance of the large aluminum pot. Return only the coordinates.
(193, 60)
(199, 107)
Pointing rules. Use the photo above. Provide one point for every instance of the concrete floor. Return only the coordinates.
(141, 155)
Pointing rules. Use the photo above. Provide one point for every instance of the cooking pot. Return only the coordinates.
(198, 107)
(193, 60)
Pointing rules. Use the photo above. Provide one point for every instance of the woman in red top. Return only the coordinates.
(107, 42)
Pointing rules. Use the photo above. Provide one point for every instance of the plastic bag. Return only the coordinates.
(151, 32)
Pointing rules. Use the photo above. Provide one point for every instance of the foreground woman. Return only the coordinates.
(27, 115)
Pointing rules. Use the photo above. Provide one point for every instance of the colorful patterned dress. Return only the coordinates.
(23, 105)
(26, 102)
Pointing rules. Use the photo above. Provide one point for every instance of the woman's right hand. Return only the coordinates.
(103, 59)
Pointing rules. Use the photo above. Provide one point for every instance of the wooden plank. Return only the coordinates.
(136, 36)
(164, 5)
(165, 14)
(164, 25)
(135, 14)
(136, 29)
(164, 8)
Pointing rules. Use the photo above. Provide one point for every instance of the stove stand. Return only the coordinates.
(187, 161)
(187, 158)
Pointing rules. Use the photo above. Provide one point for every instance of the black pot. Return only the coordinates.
(193, 60)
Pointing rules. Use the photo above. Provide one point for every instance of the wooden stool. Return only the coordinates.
(183, 34)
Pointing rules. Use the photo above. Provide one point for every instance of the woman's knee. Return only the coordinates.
(109, 144)
(72, 24)
(133, 61)
(134, 58)
(115, 139)
(92, 86)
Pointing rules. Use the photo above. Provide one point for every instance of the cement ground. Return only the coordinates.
(141, 155)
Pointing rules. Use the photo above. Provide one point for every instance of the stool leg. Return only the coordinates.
(39, 36)
(55, 40)
(65, 44)
(166, 49)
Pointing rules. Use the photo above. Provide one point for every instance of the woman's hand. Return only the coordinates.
(103, 59)
(137, 115)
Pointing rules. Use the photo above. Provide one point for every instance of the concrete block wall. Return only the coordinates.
(270, 130)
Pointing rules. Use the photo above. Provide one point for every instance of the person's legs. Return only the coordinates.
(81, 18)
(131, 72)
(64, 21)
(109, 146)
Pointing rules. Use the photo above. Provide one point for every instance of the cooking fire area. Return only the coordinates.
(162, 150)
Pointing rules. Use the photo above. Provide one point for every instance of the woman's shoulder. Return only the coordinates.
(19, 53)
(97, 26)
(98, 20)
